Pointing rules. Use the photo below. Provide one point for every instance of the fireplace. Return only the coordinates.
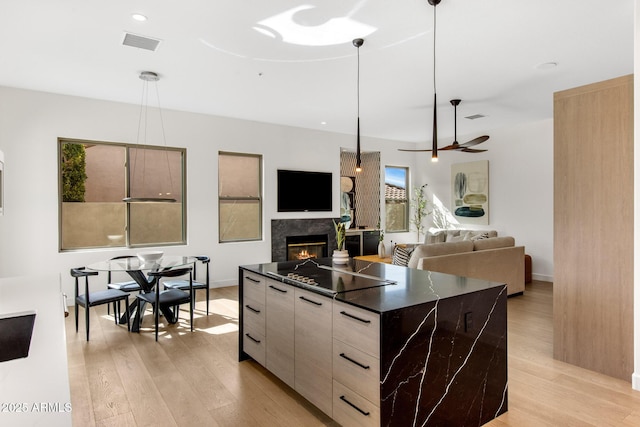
(281, 229)
(308, 246)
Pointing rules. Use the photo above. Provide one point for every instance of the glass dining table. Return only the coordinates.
(138, 269)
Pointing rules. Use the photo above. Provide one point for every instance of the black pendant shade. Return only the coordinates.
(357, 43)
(434, 144)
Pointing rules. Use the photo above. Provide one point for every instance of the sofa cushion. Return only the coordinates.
(436, 236)
(437, 249)
(493, 243)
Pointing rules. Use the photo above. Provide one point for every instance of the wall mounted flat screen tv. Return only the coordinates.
(304, 191)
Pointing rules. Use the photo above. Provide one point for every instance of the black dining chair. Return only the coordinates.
(183, 284)
(92, 299)
(127, 286)
(169, 297)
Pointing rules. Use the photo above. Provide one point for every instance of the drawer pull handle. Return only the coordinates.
(310, 301)
(344, 356)
(251, 279)
(344, 313)
(283, 291)
(344, 399)
(253, 339)
(252, 309)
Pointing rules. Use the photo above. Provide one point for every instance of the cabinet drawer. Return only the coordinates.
(311, 305)
(253, 286)
(280, 331)
(351, 409)
(254, 344)
(313, 345)
(357, 370)
(357, 327)
(254, 315)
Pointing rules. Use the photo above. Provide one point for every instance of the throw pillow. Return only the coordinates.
(460, 237)
(435, 236)
(401, 256)
(480, 236)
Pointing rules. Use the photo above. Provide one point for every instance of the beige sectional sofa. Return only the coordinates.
(473, 254)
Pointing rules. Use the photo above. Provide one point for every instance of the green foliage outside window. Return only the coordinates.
(73, 172)
(420, 209)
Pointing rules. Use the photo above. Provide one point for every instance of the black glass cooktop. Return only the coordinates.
(325, 278)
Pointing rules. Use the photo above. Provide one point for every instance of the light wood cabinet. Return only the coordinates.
(254, 319)
(313, 348)
(280, 331)
(593, 227)
(356, 366)
(351, 409)
(357, 327)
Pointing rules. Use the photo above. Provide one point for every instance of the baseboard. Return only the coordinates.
(635, 381)
(542, 277)
(223, 283)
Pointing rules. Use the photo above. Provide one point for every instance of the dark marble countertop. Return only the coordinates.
(373, 286)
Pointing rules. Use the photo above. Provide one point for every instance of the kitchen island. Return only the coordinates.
(374, 344)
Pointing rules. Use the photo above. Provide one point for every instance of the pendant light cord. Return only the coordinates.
(358, 86)
(434, 49)
(357, 43)
(434, 145)
(142, 128)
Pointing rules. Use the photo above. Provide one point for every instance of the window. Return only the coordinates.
(239, 196)
(396, 202)
(95, 177)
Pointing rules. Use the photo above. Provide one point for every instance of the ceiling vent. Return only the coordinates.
(140, 42)
(475, 116)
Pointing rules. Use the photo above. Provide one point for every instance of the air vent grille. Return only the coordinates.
(475, 116)
(140, 42)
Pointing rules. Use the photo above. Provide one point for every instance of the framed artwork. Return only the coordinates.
(470, 192)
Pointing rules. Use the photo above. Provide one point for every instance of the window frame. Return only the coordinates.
(259, 198)
(407, 200)
(127, 223)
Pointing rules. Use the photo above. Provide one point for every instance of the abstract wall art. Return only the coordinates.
(470, 192)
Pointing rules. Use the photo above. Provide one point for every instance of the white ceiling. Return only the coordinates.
(211, 59)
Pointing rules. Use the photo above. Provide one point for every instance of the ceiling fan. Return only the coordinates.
(464, 147)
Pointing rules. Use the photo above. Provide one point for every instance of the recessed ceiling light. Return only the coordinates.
(139, 17)
(323, 123)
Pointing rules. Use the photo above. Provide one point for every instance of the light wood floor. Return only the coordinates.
(194, 379)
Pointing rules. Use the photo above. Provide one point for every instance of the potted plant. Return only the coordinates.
(382, 253)
(420, 211)
(340, 255)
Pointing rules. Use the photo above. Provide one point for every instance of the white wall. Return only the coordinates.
(30, 123)
(520, 186)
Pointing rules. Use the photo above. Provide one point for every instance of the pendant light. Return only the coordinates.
(357, 43)
(147, 77)
(434, 146)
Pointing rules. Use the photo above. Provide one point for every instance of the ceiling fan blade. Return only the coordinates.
(475, 141)
(471, 150)
(451, 147)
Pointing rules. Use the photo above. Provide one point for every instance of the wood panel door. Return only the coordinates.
(593, 227)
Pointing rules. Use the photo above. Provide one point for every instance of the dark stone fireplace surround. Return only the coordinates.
(281, 228)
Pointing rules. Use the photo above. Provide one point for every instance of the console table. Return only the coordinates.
(375, 258)
(378, 344)
(362, 241)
